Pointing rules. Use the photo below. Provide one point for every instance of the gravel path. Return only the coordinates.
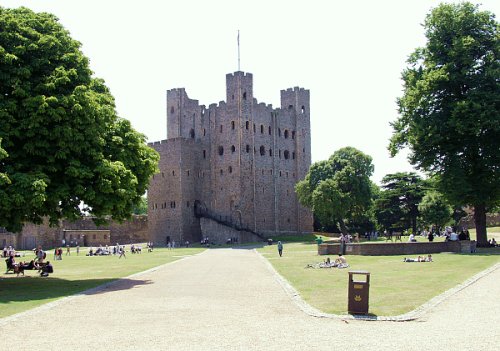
(227, 299)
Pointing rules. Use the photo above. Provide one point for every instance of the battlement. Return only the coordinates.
(240, 74)
(177, 90)
(164, 141)
(294, 89)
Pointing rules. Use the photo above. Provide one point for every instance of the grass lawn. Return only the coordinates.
(75, 274)
(395, 287)
(493, 232)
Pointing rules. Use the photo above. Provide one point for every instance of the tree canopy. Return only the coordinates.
(65, 152)
(450, 108)
(435, 210)
(396, 207)
(339, 189)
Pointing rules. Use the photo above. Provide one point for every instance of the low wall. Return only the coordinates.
(387, 249)
(134, 230)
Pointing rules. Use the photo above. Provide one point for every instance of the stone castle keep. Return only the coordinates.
(229, 170)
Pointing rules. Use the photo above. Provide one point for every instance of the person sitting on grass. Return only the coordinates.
(28, 266)
(327, 263)
(46, 269)
(493, 242)
(341, 262)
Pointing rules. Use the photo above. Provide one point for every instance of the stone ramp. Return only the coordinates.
(227, 299)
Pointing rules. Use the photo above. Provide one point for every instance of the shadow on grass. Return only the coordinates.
(32, 288)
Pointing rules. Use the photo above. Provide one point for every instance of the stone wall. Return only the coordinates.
(131, 231)
(7, 240)
(93, 237)
(218, 233)
(387, 249)
(492, 220)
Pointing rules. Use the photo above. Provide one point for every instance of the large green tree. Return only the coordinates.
(435, 210)
(396, 207)
(65, 153)
(338, 190)
(450, 108)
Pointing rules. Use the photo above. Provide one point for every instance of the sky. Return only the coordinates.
(349, 54)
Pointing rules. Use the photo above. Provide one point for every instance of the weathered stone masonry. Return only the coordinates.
(236, 162)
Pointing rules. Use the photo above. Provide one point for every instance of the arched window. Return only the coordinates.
(230, 169)
(173, 173)
(286, 133)
(221, 128)
(262, 150)
(293, 134)
(204, 153)
(293, 155)
(245, 95)
(303, 109)
(254, 127)
(279, 132)
(221, 172)
(269, 130)
(248, 148)
(233, 148)
(172, 110)
(261, 129)
(271, 152)
(232, 125)
(247, 125)
(204, 132)
(191, 133)
(221, 150)
(286, 154)
(290, 107)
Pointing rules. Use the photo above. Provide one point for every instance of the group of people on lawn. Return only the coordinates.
(44, 268)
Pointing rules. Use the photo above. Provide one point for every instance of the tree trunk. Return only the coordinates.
(414, 225)
(343, 228)
(480, 222)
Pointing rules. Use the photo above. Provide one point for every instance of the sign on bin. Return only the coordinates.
(358, 292)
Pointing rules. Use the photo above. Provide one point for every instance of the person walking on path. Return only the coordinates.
(280, 248)
(77, 250)
(122, 252)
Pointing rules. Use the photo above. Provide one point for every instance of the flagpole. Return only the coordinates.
(238, 50)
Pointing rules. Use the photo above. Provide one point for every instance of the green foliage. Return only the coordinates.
(435, 209)
(65, 144)
(450, 110)
(142, 207)
(396, 207)
(338, 190)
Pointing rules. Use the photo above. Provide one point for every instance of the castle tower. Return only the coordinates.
(238, 160)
